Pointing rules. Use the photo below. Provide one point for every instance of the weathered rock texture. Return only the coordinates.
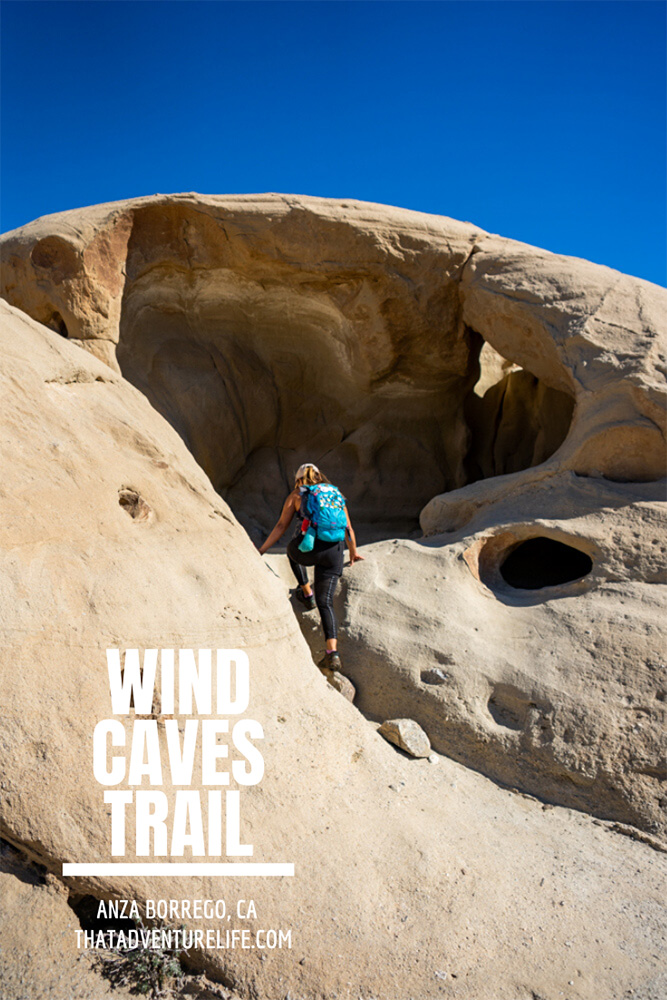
(39, 959)
(391, 888)
(520, 397)
(272, 329)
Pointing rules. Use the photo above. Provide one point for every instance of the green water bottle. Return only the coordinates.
(308, 541)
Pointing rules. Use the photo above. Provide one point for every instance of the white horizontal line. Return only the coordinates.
(235, 868)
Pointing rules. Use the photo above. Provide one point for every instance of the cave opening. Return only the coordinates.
(544, 562)
(253, 402)
(516, 420)
(57, 324)
(261, 365)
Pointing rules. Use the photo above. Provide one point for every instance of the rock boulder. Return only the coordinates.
(408, 735)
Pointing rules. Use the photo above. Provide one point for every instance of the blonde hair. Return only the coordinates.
(308, 475)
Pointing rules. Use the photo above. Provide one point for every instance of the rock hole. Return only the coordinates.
(508, 707)
(57, 324)
(434, 676)
(544, 562)
(134, 504)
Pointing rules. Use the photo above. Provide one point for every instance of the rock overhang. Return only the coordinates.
(272, 329)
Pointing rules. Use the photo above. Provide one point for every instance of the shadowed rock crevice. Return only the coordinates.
(516, 420)
(109, 917)
(57, 323)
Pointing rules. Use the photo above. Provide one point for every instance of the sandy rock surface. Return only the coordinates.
(39, 959)
(390, 884)
(516, 399)
(559, 691)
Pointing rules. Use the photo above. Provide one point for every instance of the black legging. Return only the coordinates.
(327, 558)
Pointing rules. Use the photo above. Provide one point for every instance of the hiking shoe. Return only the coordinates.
(308, 602)
(331, 661)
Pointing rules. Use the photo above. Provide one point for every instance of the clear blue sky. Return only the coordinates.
(543, 121)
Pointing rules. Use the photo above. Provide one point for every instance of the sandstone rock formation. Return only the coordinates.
(515, 399)
(414, 354)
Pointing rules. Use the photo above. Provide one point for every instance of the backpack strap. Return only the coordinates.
(305, 492)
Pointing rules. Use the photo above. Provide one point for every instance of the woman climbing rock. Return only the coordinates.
(323, 529)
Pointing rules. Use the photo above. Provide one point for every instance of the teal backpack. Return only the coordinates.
(323, 511)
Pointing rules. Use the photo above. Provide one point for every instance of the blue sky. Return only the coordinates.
(542, 121)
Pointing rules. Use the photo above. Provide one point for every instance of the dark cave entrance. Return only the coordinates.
(544, 562)
(57, 324)
(516, 421)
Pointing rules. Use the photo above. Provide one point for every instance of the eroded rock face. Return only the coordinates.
(557, 688)
(390, 879)
(275, 329)
(510, 393)
(39, 958)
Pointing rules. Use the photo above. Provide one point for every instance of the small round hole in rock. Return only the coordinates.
(544, 562)
(434, 676)
(134, 504)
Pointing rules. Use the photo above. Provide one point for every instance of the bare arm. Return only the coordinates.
(282, 523)
(351, 540)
